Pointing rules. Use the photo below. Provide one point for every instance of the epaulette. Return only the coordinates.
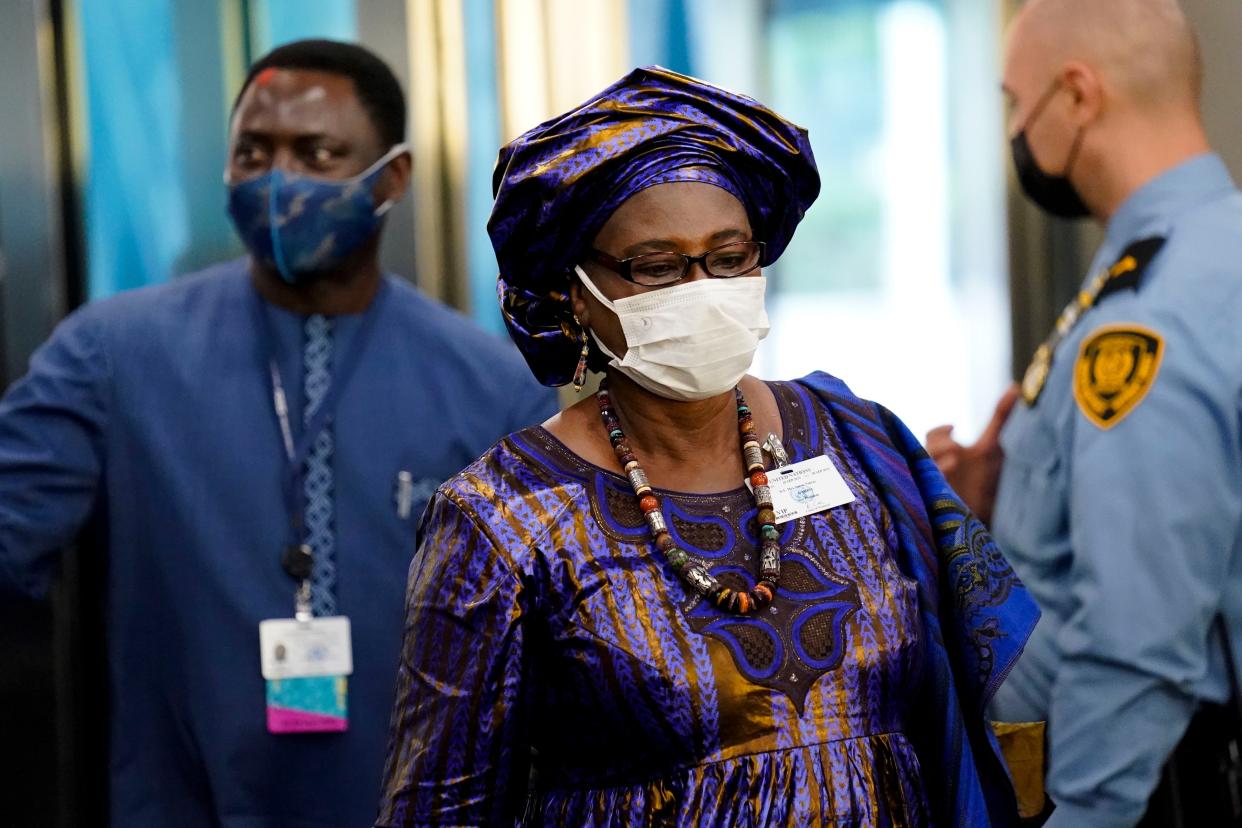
(1127, 272)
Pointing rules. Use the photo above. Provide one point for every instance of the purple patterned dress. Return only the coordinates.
(557, 672)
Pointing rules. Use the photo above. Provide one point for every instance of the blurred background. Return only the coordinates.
(113, 122)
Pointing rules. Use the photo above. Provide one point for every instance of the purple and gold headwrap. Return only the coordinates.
(558, 184)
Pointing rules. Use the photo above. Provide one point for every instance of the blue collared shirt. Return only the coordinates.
(154, 409)
(1128, 536)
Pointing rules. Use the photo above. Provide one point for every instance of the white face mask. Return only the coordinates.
(689, 341)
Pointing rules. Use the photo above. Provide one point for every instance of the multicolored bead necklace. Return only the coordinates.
(692, 572)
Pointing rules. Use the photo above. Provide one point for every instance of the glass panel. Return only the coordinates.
(273, 22)
(135, 197)
(659, 34)
(156, 108)
(896, 280)
(826, 73)
(483, 143)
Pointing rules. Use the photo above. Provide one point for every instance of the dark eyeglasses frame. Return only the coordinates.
(623, 267)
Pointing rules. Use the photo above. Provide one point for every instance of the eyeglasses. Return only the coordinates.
(662, 269)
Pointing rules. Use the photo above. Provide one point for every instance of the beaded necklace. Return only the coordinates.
(691, 571)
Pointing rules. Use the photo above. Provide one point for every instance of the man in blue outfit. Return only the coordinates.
(1120, 488)
(259, 440)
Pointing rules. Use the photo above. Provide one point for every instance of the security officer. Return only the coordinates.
(1119, 499)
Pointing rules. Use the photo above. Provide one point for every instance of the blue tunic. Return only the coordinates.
(1128, 532)
(599, 690)
(155, 408)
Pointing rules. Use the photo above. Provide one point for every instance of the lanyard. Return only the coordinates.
(296, 450)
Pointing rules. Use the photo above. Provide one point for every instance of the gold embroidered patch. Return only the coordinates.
(1116, 368)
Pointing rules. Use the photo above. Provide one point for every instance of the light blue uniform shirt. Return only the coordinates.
(154, 411)
(1128, 537)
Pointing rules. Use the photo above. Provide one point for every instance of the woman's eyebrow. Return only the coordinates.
(649, 246)
(667, 245)
(731, 233)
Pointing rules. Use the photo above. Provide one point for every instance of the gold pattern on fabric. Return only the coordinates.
(1022, 746)
(551, 642)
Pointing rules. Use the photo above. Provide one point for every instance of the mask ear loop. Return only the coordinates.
(384, 160)
(1042, 104)
(603, 300)
(595, 291)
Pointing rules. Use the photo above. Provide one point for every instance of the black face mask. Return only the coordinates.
(1052, 193)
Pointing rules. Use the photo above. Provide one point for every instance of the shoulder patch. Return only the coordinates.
(1116, 368)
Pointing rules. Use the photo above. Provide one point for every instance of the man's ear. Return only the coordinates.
(1086, 92)
(396, 179)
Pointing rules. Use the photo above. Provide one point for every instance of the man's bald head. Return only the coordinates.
(1104, 97)
(1145, 50)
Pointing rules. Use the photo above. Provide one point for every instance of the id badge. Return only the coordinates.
(807, 488)
(306, 665)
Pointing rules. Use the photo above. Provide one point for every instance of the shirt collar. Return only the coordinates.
(1152, 207)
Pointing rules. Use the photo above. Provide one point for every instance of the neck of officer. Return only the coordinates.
(1144, 151)
(347, 289)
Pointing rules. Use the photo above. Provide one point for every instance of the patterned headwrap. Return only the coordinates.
(559, 183)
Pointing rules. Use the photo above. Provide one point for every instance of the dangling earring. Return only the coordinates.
(581, 372)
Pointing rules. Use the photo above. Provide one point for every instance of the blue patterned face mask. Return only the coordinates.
(303, 225)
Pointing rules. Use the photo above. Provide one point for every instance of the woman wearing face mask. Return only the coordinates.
(697, 598)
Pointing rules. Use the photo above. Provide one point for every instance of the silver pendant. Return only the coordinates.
(776, 449)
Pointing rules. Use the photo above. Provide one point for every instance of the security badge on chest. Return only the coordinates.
(1124, 275)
